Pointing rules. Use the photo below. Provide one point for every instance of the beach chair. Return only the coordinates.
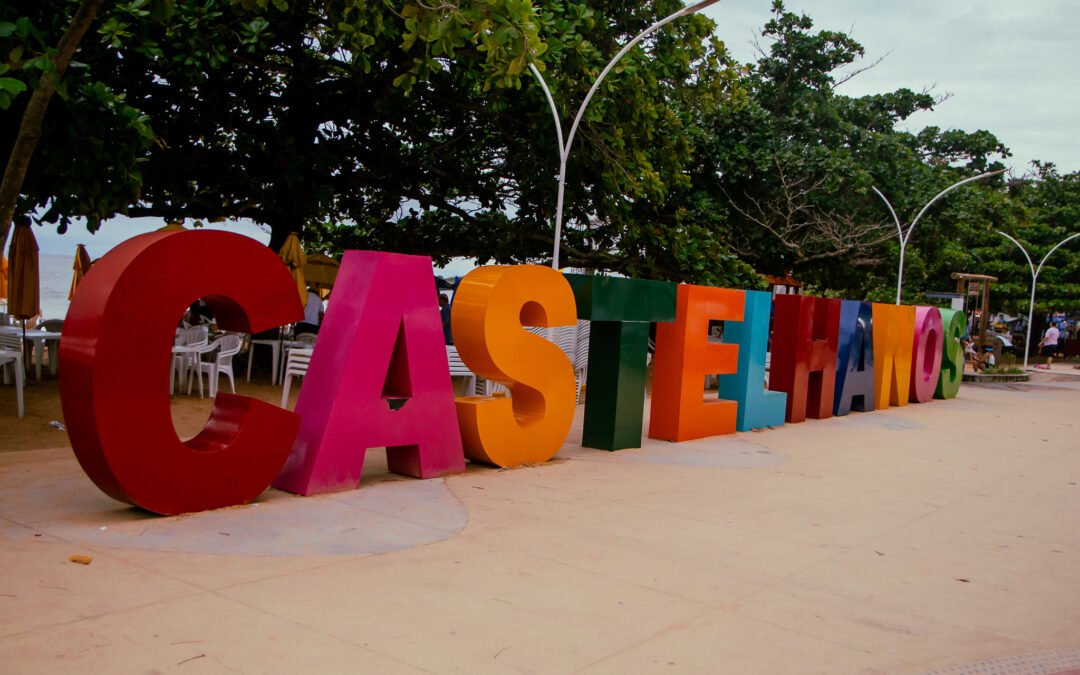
(296, 365)
(187, 349)
(227, 347)
(459, 369)
(11, 354)
(581, 356)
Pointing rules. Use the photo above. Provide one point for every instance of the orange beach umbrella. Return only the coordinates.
(81, 267)
(3, 277)
(321, 270)
(24, 293)
(292, 254)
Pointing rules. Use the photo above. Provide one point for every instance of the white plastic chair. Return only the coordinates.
(14, 357)
(296, 365)
(227, 346)
(581, 356)
(459, 369)
(195, 340)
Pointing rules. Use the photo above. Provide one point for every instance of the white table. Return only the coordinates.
(275, 348)
(39, 338)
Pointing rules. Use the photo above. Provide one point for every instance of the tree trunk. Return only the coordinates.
(30, 127)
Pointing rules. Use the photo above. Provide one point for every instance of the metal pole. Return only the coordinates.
(564, 147)
(903, 243)
(1034, 283)
(906, 237)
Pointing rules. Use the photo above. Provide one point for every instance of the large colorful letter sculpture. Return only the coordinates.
(805, 334)
(926, 354)
(952, 354)
(491, 307)
(684, 357)
(114, 388)
(854, 359)
(894, 329)
(381, 341)
(620, 312)
(757, 407)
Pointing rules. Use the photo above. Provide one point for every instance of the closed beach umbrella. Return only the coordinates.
(3, 278)
(24, 297)
(81, 267)
(292, 254)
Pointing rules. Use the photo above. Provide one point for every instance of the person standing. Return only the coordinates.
(444, 314)
(313, 313)
(1048, 345)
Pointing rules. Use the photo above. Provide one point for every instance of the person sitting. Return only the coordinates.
(981, 361)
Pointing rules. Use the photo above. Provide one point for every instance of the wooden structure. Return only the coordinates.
(978, 285)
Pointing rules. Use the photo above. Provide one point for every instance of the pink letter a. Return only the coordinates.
(381, 341)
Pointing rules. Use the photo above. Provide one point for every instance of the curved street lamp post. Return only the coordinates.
(905, 237)
(564, 146)
(1034, 282)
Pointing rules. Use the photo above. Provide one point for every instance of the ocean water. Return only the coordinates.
(55, 272)
(54, 276)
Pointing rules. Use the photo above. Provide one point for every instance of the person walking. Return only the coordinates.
(1048, 345)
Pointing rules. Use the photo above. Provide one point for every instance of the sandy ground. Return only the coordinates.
(936, 537)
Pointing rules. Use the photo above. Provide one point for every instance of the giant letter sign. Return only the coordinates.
(620, 311)
(757, 407)
(952, 355)
(684, 357)
(805, 334)
(926, 354)
(854, 359)
(381, 341)
(894, 329)
(114, 388)
(491, 307)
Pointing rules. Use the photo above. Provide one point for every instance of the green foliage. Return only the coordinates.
(418, 127)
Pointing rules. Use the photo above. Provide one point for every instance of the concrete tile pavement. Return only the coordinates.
(905, 540)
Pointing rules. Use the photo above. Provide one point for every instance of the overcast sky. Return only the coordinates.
(1012, 68)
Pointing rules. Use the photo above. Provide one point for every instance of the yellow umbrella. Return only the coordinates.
(81, 267)
(321, 271)
(173, 226)
(292, 254)
(24, 299)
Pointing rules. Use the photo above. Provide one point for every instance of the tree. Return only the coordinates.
(52, 65)
(256, 105)
(790, 172)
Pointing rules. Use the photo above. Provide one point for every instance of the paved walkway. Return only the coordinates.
(936, 537)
